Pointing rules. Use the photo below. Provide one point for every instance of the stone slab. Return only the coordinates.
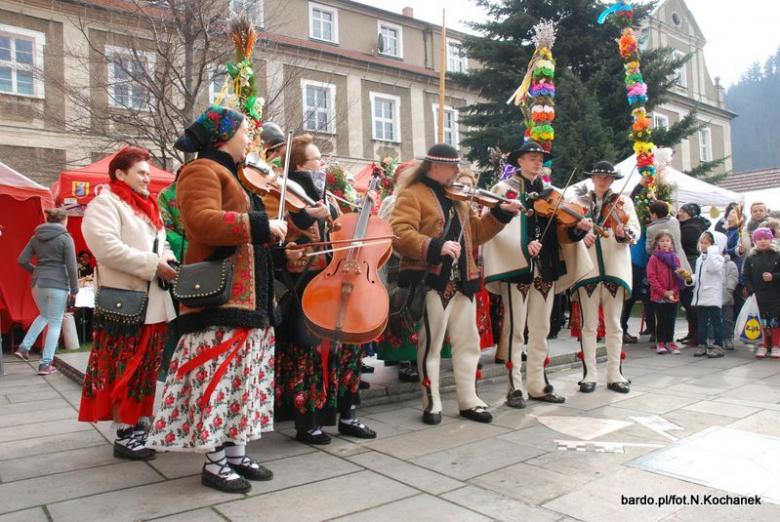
(53, 463)
(326, 499)
(530, 484)
(423, 508)
(477, 458)
(658, 404)
(197, 515)
(30, 407)
(140, 503)
(51, 444)
(43, 429)
(27, 515)
(407, 473)
(721, 408)
(74, 485)
(303, 469)
(34, 417)
(763, 422)
(498, 506)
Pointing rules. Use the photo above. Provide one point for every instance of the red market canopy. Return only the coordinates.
(21, 209)
(363, 177)
(78, 187)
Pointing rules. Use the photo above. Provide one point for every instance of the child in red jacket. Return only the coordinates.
(665, 285)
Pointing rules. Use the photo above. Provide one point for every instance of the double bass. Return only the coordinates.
(347, 302)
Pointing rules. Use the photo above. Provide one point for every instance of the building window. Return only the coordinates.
(681, 77)
(676, 20)
(385, 119)
(456, 58)
(319, 106)
(21, 61)
(253, 8)
(391, 36)
(218, 76)
(450, 125)
(705, 144)
(127, 72)
(660, 121)
(323, 23)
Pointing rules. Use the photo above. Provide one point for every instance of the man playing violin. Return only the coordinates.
(435, 234)
(525, 264)
(608, 283)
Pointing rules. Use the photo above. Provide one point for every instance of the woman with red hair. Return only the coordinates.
(124, 231)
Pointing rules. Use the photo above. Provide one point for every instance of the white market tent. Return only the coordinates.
(686, 189)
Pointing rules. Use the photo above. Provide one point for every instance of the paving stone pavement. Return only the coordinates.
(53, 468)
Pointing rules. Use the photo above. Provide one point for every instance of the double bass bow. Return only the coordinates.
(347, 301)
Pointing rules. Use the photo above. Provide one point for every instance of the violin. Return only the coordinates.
(485, 198)
(551, 203)
(258, 177)
(347, 301)
(613, 215)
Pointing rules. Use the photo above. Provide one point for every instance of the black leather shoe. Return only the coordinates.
(321, 439)
(250, 472)
(552, 398)
(629, 339)
(515, 400)
(366, 369)
(220, 483)
(587, 387)
(500, 361)
(431, 418)
(356, 429)
(364, 385)
(392, 363)
(408, 374)
(620, 387)
(478, 414)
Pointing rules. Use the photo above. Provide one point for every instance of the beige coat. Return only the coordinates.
(122, 243)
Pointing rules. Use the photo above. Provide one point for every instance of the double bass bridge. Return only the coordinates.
(351, 267)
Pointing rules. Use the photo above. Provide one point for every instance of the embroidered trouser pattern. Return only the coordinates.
(459, 318)
(612, 305)
(526, 304)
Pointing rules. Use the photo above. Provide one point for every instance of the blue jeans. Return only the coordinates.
(51, 303)
(710, 315)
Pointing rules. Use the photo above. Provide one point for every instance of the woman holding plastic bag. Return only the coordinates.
(761, 276)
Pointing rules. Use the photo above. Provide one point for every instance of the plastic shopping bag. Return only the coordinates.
(748, 325)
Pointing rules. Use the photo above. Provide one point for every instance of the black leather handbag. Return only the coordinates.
(119, 309)
(407, 306)
(204, 285)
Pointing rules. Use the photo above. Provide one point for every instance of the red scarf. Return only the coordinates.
(142, 206)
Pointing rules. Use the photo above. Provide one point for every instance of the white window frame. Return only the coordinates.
(113, 51)
(660, 118)
(331, 108)
(400, 43)
(681, 80)
(396, 120)
(705, 144)
(461, 57)
(38, 40)
(213, 71)
(258, 6)
(333, 11)
(453, 131)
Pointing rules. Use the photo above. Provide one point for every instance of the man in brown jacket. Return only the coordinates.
(435, 237)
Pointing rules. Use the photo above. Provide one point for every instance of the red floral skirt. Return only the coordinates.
(122, 371)
(576, 321)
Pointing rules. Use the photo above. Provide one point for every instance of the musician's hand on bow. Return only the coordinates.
(585, 224)
(318, 211)
(451, 248)
(513, 207)
(278, 228)
(741, 250)
(590, 239)
(291, 253)
(534, 247)
(620, 231)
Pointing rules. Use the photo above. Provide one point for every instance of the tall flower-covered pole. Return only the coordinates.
(536, 94)
(636, 91)
(243, 83)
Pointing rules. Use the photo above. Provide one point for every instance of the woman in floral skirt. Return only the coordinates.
(123, 229)
(316, 380)
(218, 394)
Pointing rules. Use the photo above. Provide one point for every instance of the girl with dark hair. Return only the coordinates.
(54, 279)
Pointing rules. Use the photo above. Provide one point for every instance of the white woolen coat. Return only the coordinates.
(707, 278)
(122, 243)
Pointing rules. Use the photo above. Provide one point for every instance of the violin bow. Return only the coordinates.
(557, 205)
(349, 247)
(286, 175)
(617, 198)
(471, 202)
(340, 241)
(334, 196)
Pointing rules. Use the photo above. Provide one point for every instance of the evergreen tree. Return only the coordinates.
(592, 114)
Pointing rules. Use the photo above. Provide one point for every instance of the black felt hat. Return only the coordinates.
(442, 153)
(604, 168)
(272, 135)
(528, 146)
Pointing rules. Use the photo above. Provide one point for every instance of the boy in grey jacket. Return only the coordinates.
(730, 280)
